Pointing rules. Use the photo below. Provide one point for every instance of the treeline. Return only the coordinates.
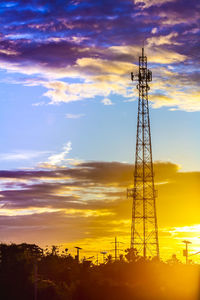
(28, 272)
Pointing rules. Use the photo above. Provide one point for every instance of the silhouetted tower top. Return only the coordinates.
(144, 230)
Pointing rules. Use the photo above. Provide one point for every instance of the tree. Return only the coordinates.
(121, 257)
(131, 254)
(109, 258)
(173, 260)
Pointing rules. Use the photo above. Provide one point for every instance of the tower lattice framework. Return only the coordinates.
(144, 230)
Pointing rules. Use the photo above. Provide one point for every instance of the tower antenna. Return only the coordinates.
(144, 230)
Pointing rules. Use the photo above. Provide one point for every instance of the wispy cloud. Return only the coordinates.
(149, 3)
(59, 158)
(74, 116)
(163, 40)
(22, 155)
(107, 101)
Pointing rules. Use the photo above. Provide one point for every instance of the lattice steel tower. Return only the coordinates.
(144, 230)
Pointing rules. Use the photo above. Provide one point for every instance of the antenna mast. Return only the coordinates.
(144, 230)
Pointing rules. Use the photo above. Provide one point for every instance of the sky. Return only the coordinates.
(68, 113)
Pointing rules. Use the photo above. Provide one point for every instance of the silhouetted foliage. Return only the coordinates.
(131, 254)
(16, 270)
(61, 277)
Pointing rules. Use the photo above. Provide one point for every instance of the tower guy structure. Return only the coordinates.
(144, 230)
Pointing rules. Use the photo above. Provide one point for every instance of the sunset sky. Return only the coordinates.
(68, 112)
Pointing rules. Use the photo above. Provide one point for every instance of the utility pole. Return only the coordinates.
(115, 248)
(185, 251)
(144, 230)
(104, 253)
(77, 256)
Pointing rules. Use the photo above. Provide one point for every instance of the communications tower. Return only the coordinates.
(144, 230)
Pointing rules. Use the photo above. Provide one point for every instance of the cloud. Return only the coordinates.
(156, 55)
(97, 86)
(22, 155)
(39, 103)
(149, 3)
(57, 159)
(99, 55)
(154, 30)
(74, 116)
(8, 52)
(176, 100)
(88, 201)
(163, 40)
(107, 101)
(94, 66)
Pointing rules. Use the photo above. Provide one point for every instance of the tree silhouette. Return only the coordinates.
(131, 254)
(60, 277)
